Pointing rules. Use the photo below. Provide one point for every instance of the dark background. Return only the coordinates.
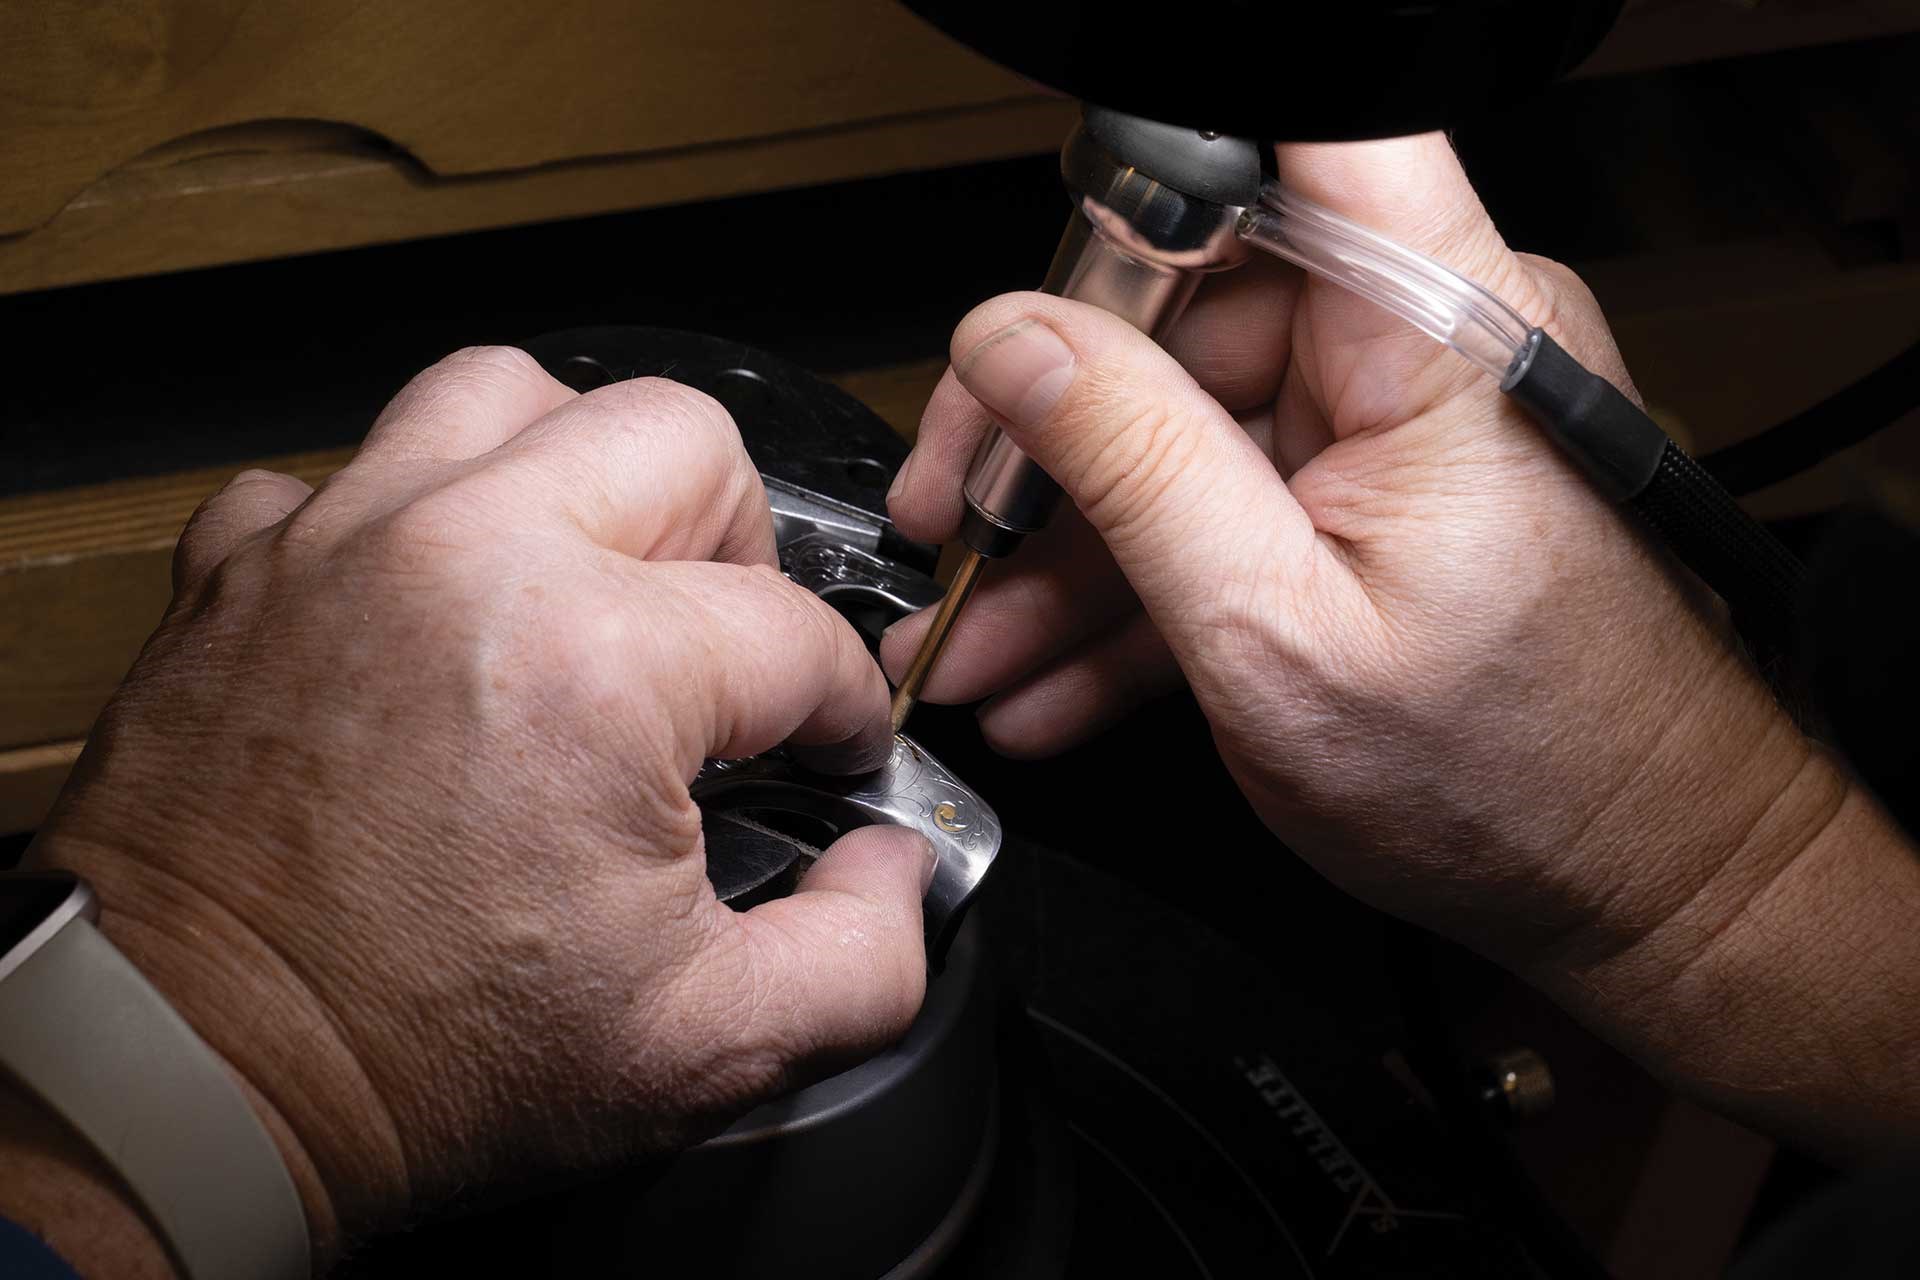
(161, 374)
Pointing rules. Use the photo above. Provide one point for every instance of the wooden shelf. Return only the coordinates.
(268, 192)
(162, 136)
(465, 88)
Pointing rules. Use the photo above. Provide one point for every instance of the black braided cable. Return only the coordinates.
(1710, 533)
(1631, 460)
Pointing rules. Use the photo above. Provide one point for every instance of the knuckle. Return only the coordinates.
(201, 587)
(257, 477)
(699, 408)
(799, 614)
(591, 655)
(705, 421)
(764, 577)
(653, 419)
(188, 562)
(488, 366)
(823, 630)
(1251, 625)
(459, 383)
(744, 498)
(1558, 300)
(1552, 277)
(199, 522)
(885, 1008)
(313, 520)
(415, 537)
(185, 566)
(199, 542)
(742, 1064)
(802, 625)
(646, 402)
(1131, 457)
(1458, 234)
(1551, 292)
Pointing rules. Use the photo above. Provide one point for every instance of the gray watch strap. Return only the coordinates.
(84, 1029)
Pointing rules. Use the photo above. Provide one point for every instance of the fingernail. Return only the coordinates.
(929, 863)
(899, 485)
(896, 624)
(1019, 373)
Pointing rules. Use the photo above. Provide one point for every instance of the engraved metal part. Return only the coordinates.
(800, 513)
(844, 575)
(911, 790)
(831, 549)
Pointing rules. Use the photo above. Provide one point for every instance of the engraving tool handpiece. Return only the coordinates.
(1155, 209)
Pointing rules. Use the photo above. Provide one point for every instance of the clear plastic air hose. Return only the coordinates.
(1435, 299)
(1623, 451)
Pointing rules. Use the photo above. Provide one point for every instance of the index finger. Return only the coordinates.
(1235, 340)
(465, 405)
(757, 661)
(650, 468)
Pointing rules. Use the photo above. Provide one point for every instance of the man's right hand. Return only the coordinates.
(1439, 665)
(393, 807)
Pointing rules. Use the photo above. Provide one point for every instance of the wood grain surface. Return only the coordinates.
(461, 86)
(253, 192)
(155, 135)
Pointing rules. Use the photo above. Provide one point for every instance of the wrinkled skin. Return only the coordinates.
(393, 806)
(1360, 559)
(1440, 667)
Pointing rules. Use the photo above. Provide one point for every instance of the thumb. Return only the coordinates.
(839, 967)
(1412, 190)
(1185, 500)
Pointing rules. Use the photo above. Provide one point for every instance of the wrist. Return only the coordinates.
(247, 1003)
(1714, 792)
(55, 1186)
(1782, 987)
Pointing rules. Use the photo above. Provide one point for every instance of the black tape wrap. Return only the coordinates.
(1632, 461)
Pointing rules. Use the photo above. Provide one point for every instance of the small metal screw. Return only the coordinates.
(1518, 1085)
